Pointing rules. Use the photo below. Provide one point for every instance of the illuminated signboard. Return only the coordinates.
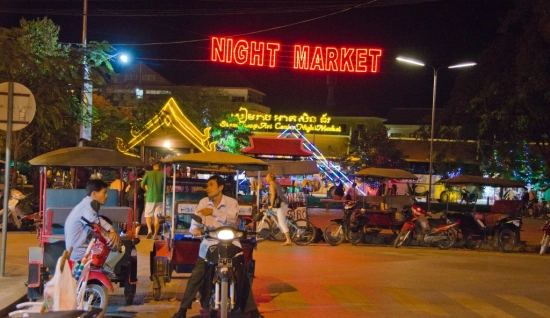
(304, 57)
(305, 122)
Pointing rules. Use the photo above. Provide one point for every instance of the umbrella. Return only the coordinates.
(218, 158)
(386, 173)
(86, 157)
(289, 168)
(482, 181)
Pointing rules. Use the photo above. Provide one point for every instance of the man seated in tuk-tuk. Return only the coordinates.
(76, 230)
(216, 210)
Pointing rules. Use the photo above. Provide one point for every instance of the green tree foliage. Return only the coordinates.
(504, 102)
(370, 147)
(32, 55)
(231, 139)
(109, 122)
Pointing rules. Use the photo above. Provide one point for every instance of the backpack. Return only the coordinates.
(130, 194)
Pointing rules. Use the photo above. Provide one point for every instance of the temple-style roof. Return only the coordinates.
(277, 147)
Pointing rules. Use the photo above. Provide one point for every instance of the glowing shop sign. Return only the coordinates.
(304, 57)
(305, 122)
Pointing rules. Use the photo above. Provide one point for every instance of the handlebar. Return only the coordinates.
(96, 230)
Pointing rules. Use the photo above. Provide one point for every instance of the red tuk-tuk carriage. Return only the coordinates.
(177, 250)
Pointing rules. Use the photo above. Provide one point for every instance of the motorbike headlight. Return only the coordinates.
(225, 235)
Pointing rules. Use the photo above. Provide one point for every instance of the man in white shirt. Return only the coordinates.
(215, 210)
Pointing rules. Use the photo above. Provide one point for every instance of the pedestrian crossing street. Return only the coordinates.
(286, 300)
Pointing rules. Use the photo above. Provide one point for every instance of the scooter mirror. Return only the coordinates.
(196, 218)
(95, 205)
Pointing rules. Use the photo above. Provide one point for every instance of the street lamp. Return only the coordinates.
(436, 69)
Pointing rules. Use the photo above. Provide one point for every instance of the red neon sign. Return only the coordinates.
(304, 57)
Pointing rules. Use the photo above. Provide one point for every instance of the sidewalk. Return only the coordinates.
(13, 289)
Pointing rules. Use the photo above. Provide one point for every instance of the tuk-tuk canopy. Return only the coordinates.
(289, 168)
(482, 181)
(218, 159)
(386, 173)
(86, 157)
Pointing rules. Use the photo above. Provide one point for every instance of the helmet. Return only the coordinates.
(418, 211)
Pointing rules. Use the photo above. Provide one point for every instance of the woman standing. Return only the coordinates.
(275, 191)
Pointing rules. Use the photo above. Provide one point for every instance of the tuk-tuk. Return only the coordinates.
(177, 250)
(55, 204)
(500, 227)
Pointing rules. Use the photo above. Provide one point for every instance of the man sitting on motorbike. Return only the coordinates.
(76, 231)
(215, 210)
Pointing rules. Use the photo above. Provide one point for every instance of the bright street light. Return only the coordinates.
(436, 69)
(124, 58)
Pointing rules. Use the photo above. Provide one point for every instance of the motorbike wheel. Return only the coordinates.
(403, 238)
(506, 240)
(356, 237)
(334, 234)
(449, 242)
(224, 298)
(472, 242)
(100, 299)
(544, 244)
(129, 293)
(368, 236)
(156, 288)
(303, 233)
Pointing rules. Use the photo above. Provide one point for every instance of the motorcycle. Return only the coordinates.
(100, 277)
(227, 270)
(340, 230)
(417, 227)
(21, 216)
(504, 234)
(534, 209)
(545, 237)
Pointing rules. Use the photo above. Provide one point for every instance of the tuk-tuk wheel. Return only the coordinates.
(129, 293)
(156, 288)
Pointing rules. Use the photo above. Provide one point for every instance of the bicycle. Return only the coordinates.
(301, 231)
(264, 222)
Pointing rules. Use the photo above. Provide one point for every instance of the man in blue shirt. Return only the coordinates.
(76, 230)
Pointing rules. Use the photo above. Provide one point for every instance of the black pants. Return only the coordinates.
(194, 284)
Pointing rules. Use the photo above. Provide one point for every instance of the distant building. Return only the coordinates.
(330, 134)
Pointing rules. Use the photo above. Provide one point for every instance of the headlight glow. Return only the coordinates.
(226, 235)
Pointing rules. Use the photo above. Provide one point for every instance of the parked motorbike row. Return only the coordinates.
(473, 229)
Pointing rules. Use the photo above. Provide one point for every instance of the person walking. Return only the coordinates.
(135, 197)
(152, 183)
(276, 192)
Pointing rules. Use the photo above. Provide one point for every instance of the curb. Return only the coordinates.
(4, 312)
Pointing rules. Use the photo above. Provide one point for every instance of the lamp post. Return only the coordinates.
(435, 69)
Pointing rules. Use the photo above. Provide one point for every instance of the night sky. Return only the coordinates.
(176, 37)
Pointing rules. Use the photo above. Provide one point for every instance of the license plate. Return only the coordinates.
(224, 262)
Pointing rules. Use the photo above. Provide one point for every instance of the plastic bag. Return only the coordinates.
(60, 291)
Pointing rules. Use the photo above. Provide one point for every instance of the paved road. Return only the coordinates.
(352, 281)
(359, 281)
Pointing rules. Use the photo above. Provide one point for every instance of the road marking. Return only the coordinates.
(529, 304)
(410, 299)
(287, 297)
(479, 307)
(350, 298)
